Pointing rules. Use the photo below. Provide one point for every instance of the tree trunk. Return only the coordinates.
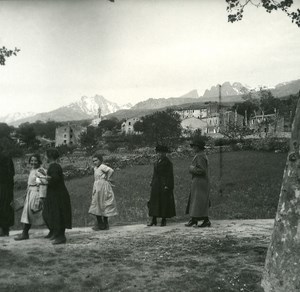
(282, 267)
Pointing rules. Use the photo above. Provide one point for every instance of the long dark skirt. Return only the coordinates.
(7, 215)
(57, 212)
(161, 203)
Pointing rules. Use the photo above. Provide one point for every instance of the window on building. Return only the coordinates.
(65, 141)
(129, 123)
(71, 136)
(65, 135)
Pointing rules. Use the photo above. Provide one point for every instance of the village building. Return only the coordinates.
(68, 135)
(127, 126)
(192, 124)
(269, 125)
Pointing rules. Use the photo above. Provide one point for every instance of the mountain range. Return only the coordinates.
(88, 107)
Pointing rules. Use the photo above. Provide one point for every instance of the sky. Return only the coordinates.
(132, 50)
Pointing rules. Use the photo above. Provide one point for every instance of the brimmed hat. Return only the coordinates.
(197, 141)
(162, 148)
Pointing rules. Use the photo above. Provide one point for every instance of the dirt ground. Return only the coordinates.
(229, 256)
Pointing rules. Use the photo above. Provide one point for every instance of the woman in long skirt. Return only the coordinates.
(7, 173)
(57, 212)
(198, 203)
(34, 201)
(103, 203)
(161, 203)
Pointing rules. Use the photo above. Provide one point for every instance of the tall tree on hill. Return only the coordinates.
(235, 8)
(27, 134)
(6, 53)
(161, 127)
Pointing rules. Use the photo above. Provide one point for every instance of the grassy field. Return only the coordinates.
(250, 186)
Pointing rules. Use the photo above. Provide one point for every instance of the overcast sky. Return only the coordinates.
(130, 51)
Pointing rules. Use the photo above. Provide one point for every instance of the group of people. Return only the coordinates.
(47, 199)
(162, 203)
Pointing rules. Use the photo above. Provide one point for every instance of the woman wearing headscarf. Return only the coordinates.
(161, 203)
(57, 212)
(198, 203)
(7, 172)
(36, 193)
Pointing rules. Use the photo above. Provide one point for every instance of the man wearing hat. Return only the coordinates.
(161, 203)
(198, 203)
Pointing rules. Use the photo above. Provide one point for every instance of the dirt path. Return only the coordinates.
(226, 257)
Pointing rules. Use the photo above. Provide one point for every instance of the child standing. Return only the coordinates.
(103, 203)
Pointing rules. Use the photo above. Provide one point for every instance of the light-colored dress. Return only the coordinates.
(36, 189)
(103, 198)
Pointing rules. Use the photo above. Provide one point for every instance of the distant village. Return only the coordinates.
(209, 119)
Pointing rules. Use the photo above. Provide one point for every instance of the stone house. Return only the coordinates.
(192, 124)
(127, 126)
(68, 135)
(268, 124)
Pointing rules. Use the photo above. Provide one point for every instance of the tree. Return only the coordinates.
(268, 103)
(161, 127)
(108, 125)
(45, 129)
(6, 53)
(282, 268)
(88, 138)
(235, 8)
(138, 126)
(247, 107)
(4, 130)
(27, 134)
(235, 131)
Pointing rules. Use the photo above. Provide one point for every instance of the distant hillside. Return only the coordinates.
(286, 88)
(156, 103)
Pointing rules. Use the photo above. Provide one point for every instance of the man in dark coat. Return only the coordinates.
(7, 173)
(161, 203)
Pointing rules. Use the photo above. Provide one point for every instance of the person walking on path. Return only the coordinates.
(7, 172)
(36, 193)
(198, 202)
(103, 203)
(161, 203)
(57, 211)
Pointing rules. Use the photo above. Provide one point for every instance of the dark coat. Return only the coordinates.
(198, 203)
(57, 208)
(161, 203)
(7, 173)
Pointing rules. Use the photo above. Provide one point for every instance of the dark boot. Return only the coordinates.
(206, 223)
(163, 222)
(106, 226)
(98, 223)
(153, 222)
(4, 231)
(192, 222)
(50, 234)
(61, 238)
(55, 234)
(25, 234)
